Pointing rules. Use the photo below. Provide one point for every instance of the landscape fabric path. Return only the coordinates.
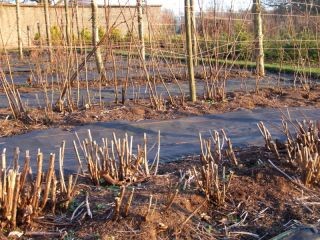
(179, 137)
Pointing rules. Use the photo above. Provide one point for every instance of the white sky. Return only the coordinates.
(178, 5)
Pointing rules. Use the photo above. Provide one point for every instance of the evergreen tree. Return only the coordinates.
(295, 6)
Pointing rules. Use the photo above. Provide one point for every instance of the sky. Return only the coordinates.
(178, 5)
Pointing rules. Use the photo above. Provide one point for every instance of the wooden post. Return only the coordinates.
(194, 32)
(66, 10)
(258, 34)
(39, 34)
(77, 24)
(19, 29)
(95, 39)
(192, 84)
(141, 30)
(107, 14)
(29, 36)
(48, 26)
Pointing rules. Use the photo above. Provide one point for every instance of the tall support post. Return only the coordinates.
(29, 36)
(48, 26)
(194, 33)
(67, 16)
(95, 39)
(192, 84)
(77, 21)
(18, 15)
(258, 34)
(141, 30)
(39, 34)
(107, 13)
(78, 26)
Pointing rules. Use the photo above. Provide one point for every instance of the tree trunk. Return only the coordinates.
(141, 30)
(19, 29)
(95, 39)
(192, 84)
(258, 34)
(48, 27)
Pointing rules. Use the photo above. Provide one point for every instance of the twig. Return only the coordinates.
(149, 206)
(44, 234)
(291, 179)
(171, 200)
(88, 205)
(61, 158)
(246, 233)
(191, 215)
(76, 210)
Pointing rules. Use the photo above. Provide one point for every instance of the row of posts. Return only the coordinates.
(190, 30)
(29, 37)
(66, 7)
(47, 23)
(191, 42)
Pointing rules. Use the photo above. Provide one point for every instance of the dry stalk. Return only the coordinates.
(61, 160)
(128, 205)
(13, 96)
(190, 216)
(48, 181)
(118, 203)
(22, 196)
(302, 149)
(270, 144)
(114, 161)
(149, 207)
(88, 205)
(213, 149)
(229, 151)
(174, 195)
(211, 175)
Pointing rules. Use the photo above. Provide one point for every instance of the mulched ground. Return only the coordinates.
(142, 109)
(261, 203)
